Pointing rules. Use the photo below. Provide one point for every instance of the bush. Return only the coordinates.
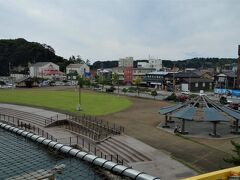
(154, 93)
(145, 89)
(111, 89)
(132, 89)
(172, 97)
(223, 100)
(124, 90)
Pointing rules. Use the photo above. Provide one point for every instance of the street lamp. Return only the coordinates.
(80, 84)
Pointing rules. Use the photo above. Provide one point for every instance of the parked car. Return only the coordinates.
(182, 98)
(235, 106)
(187, 92)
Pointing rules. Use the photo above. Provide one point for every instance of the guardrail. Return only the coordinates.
(78, 141)
(26, 126)
(88, 126)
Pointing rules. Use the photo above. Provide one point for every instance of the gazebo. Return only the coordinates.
(201, 109)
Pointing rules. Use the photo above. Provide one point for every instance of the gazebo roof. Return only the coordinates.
(211, 111)
(186, 113)
(169, 109)
(211, 115)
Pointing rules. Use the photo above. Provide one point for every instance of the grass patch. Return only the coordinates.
(96, 104)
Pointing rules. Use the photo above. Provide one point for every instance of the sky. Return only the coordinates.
(111, 29)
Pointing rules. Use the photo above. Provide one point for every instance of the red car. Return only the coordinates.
(234, 106)
(182, 98)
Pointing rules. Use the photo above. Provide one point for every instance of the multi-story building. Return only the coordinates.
(45, 70)
(80, 69)
(125, 62)
(155, 63)
(135, 72)
(152, 63)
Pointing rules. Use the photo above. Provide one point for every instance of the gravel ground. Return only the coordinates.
(141, 121)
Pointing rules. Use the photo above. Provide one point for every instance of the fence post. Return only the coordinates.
(89, 147)
(70, 140)
(83, 142)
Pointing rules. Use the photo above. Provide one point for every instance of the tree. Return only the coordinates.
(154, 93)
(102, 80)
(79, 59)
(88, 62)
(234, 159)
(115, 80)
(87, 83)
(137, 82)
(80, 85)
(124, 90)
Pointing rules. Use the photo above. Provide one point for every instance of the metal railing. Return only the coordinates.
(80, 142)
(88, 126)
(26, 126)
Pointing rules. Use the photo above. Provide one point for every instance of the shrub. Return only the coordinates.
(172, 97)
(124, 90)
(132, 89)
(223, 100)
(154, 93)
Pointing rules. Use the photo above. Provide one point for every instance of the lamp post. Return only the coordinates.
(80, 84)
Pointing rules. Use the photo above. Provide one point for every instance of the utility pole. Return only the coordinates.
(238, 69)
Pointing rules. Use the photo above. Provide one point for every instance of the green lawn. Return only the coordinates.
(92, 103)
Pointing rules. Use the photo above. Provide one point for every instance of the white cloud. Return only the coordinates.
(109, 29)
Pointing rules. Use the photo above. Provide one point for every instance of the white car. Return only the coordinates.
(187, 92)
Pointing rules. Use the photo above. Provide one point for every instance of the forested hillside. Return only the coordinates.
(15, 54)
(188, 63)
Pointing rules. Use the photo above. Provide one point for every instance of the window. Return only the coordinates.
(196, 84)
(203, 85)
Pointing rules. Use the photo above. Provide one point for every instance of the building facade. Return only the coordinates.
(81, 69)
(45, 70)
(125, 62)
(152, 63)
(156, 64)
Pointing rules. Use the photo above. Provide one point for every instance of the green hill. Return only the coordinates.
(16, 54)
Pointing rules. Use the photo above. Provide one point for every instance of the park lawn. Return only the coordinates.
(96, 104)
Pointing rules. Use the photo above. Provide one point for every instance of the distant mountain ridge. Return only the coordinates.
(16, 54)
(188, 63)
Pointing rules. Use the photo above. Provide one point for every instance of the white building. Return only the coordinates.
(45, 70)
(152, 63)
(155, 63)
(125, 62)
(81, 69)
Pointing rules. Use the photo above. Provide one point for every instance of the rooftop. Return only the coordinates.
(74, 65)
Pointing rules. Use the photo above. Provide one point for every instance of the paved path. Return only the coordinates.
(162, 164)
(37, 111)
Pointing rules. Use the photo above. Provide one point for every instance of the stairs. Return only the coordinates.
(116, 146)
(24, 116)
